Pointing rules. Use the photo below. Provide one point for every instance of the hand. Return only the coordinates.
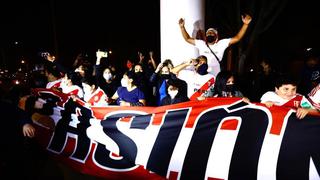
(28, 130)
(269, 104)
(181, 22)
(246, 100)
(246, 19)
(124, 103)
(100, 54)
(74, 97)
(159, 67)
(301, 113)
(50, 57)
(192, 62)
(201, 98)
(38, 105)
(151, 54)
(141, 57)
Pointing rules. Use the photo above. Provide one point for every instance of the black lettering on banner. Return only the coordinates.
(247, 148)
(166, 140)
(141, 122)
(297, 147)
(127, 147)
(59, 138)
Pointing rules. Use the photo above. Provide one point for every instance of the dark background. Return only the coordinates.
(281, 30)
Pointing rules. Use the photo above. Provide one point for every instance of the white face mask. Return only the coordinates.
(124, 82)
(107, 76)
(172, 93)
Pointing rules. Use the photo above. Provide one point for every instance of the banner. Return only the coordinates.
(218, 138)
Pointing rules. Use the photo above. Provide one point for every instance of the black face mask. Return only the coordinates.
(165, 76)
(202, 69)
(139, 74)
(230, 88)
(211, 39)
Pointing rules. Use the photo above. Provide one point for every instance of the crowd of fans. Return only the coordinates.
(148, 83)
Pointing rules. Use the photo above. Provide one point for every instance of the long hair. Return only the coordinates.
(221, 81)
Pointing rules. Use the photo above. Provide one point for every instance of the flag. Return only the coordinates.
(218, 138)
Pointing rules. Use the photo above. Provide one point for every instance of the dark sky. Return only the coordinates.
(70, 27)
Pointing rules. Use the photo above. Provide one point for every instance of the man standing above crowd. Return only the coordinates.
(212, 47)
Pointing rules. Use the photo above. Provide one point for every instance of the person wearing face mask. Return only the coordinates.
(142, 82)
(197, 77)
(212, 47)
(128, 94)
(159, 80)
(224, 86)
(105, 76)
(174, 95)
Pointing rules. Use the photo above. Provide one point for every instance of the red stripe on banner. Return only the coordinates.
(277, 119)
(209, 178)
(200, 106)
(173, 175)
(231, 124)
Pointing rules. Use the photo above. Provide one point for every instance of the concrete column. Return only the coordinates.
(173, 46)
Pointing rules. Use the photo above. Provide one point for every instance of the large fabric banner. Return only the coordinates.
(218, 138)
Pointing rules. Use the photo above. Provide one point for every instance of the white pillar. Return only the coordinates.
(173, 46)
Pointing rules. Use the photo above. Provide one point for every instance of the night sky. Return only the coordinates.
(125, 27)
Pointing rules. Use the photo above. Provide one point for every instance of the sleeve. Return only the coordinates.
(268, 96)
(153, 78)
(314, 97)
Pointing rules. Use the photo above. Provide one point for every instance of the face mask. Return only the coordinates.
(165, 76)
(211, 39)
(172, 93)
(203, 69)
(124, 82)
(229, 87)
(107, 76)
(139, 74)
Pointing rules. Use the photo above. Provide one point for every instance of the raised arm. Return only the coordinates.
(181, 66)
(184, 32)
(151, 60)
(246, 21)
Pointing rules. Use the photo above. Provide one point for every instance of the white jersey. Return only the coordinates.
(297, 101)
(73, 90)
(54, 84)
(196, 81)
(218, 48)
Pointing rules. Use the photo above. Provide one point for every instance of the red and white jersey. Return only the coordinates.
(296, 102)
(54, 84)
(73, 90)
(98, 98)
(197, 84)
(314, 97)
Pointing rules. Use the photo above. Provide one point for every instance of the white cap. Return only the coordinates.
(213, 30)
